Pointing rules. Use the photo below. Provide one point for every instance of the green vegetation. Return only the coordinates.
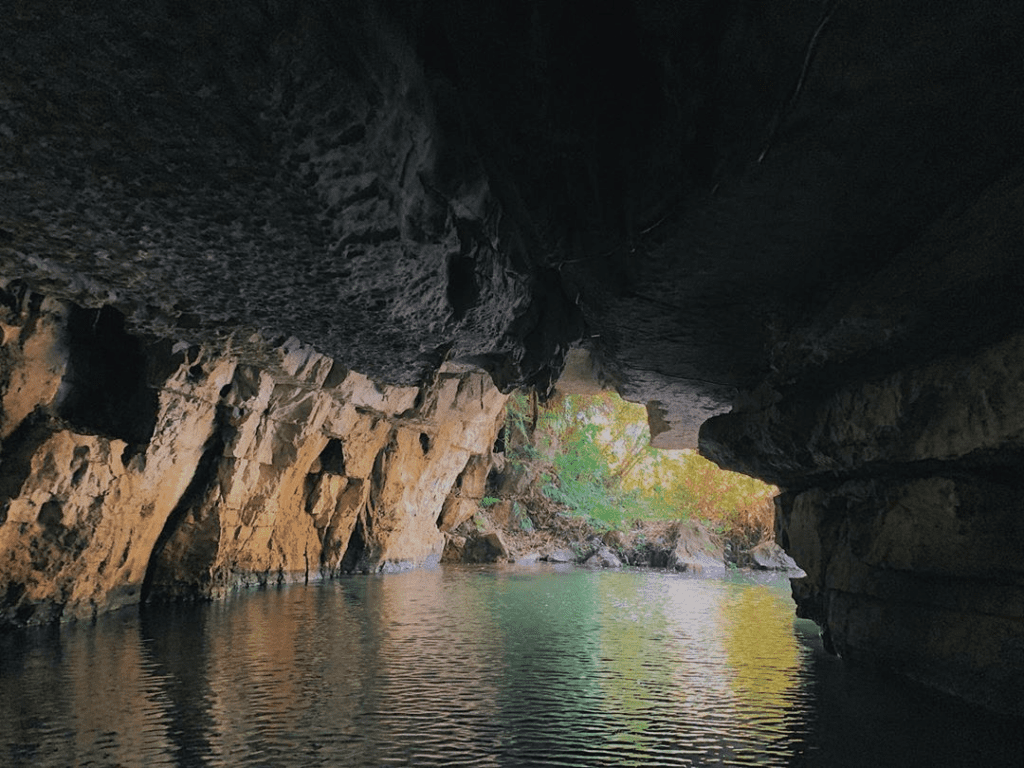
(592, 456)
(521, 517)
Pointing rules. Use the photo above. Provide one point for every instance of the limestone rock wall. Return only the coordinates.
(908, 520)
(184, 474)
(905, 507)
(896, 430)
(924, 575)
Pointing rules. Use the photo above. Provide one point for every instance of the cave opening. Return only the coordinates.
(598, 451)
(332, 458)
(105, 389)
(353, 559)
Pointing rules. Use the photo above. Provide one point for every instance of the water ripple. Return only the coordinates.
(472, 667)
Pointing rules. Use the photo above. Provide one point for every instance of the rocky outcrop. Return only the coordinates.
(603, 558)
(897, 434)
(923, 575)
(314, 480)
(696, 550)
(176, 473)
(767, 556)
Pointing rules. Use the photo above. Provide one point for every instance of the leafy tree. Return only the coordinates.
(593, 456)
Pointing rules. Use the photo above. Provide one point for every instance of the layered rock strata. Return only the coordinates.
(905, 507)
(135, 470)
(895, 422)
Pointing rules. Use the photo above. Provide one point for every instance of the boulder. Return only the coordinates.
(603, 558)
(769, 556)
(696, 551)
(476, 547)
(560, 555)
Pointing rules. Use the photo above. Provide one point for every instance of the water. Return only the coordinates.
(488, 666)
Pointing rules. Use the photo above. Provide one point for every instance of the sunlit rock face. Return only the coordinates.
(801, 220)
(159, 471)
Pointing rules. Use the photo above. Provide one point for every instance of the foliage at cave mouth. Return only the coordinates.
(591, 455)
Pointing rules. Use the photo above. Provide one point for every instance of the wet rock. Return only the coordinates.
(82, 511)
(769, 556)
(903, 568)
(249, 477)
(328, 485)
(696, 551)
(923, 575)
(560, 556)
(477, 547)
(603, 558)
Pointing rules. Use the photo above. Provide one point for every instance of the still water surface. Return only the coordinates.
(496, 666)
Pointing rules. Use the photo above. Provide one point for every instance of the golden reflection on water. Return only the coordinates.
(762, 648)
(423, 620)
(457, 667)
(629, 617)
(692, 645)
(248, 662)
(112, 719)
(70, 697)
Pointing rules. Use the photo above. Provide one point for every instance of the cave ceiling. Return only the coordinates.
(711, 197)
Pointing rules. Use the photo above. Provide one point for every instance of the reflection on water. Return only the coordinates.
(487, 666)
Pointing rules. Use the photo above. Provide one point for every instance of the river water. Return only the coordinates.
(489, 666)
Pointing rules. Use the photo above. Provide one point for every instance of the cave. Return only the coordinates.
(332, 459)
(106, 383)
(791, 229)
(355, 552)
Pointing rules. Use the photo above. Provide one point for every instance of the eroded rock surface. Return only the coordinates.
(924, 575)
(236, 475)
(894, 422)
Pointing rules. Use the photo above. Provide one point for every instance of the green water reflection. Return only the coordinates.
(473, 666)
